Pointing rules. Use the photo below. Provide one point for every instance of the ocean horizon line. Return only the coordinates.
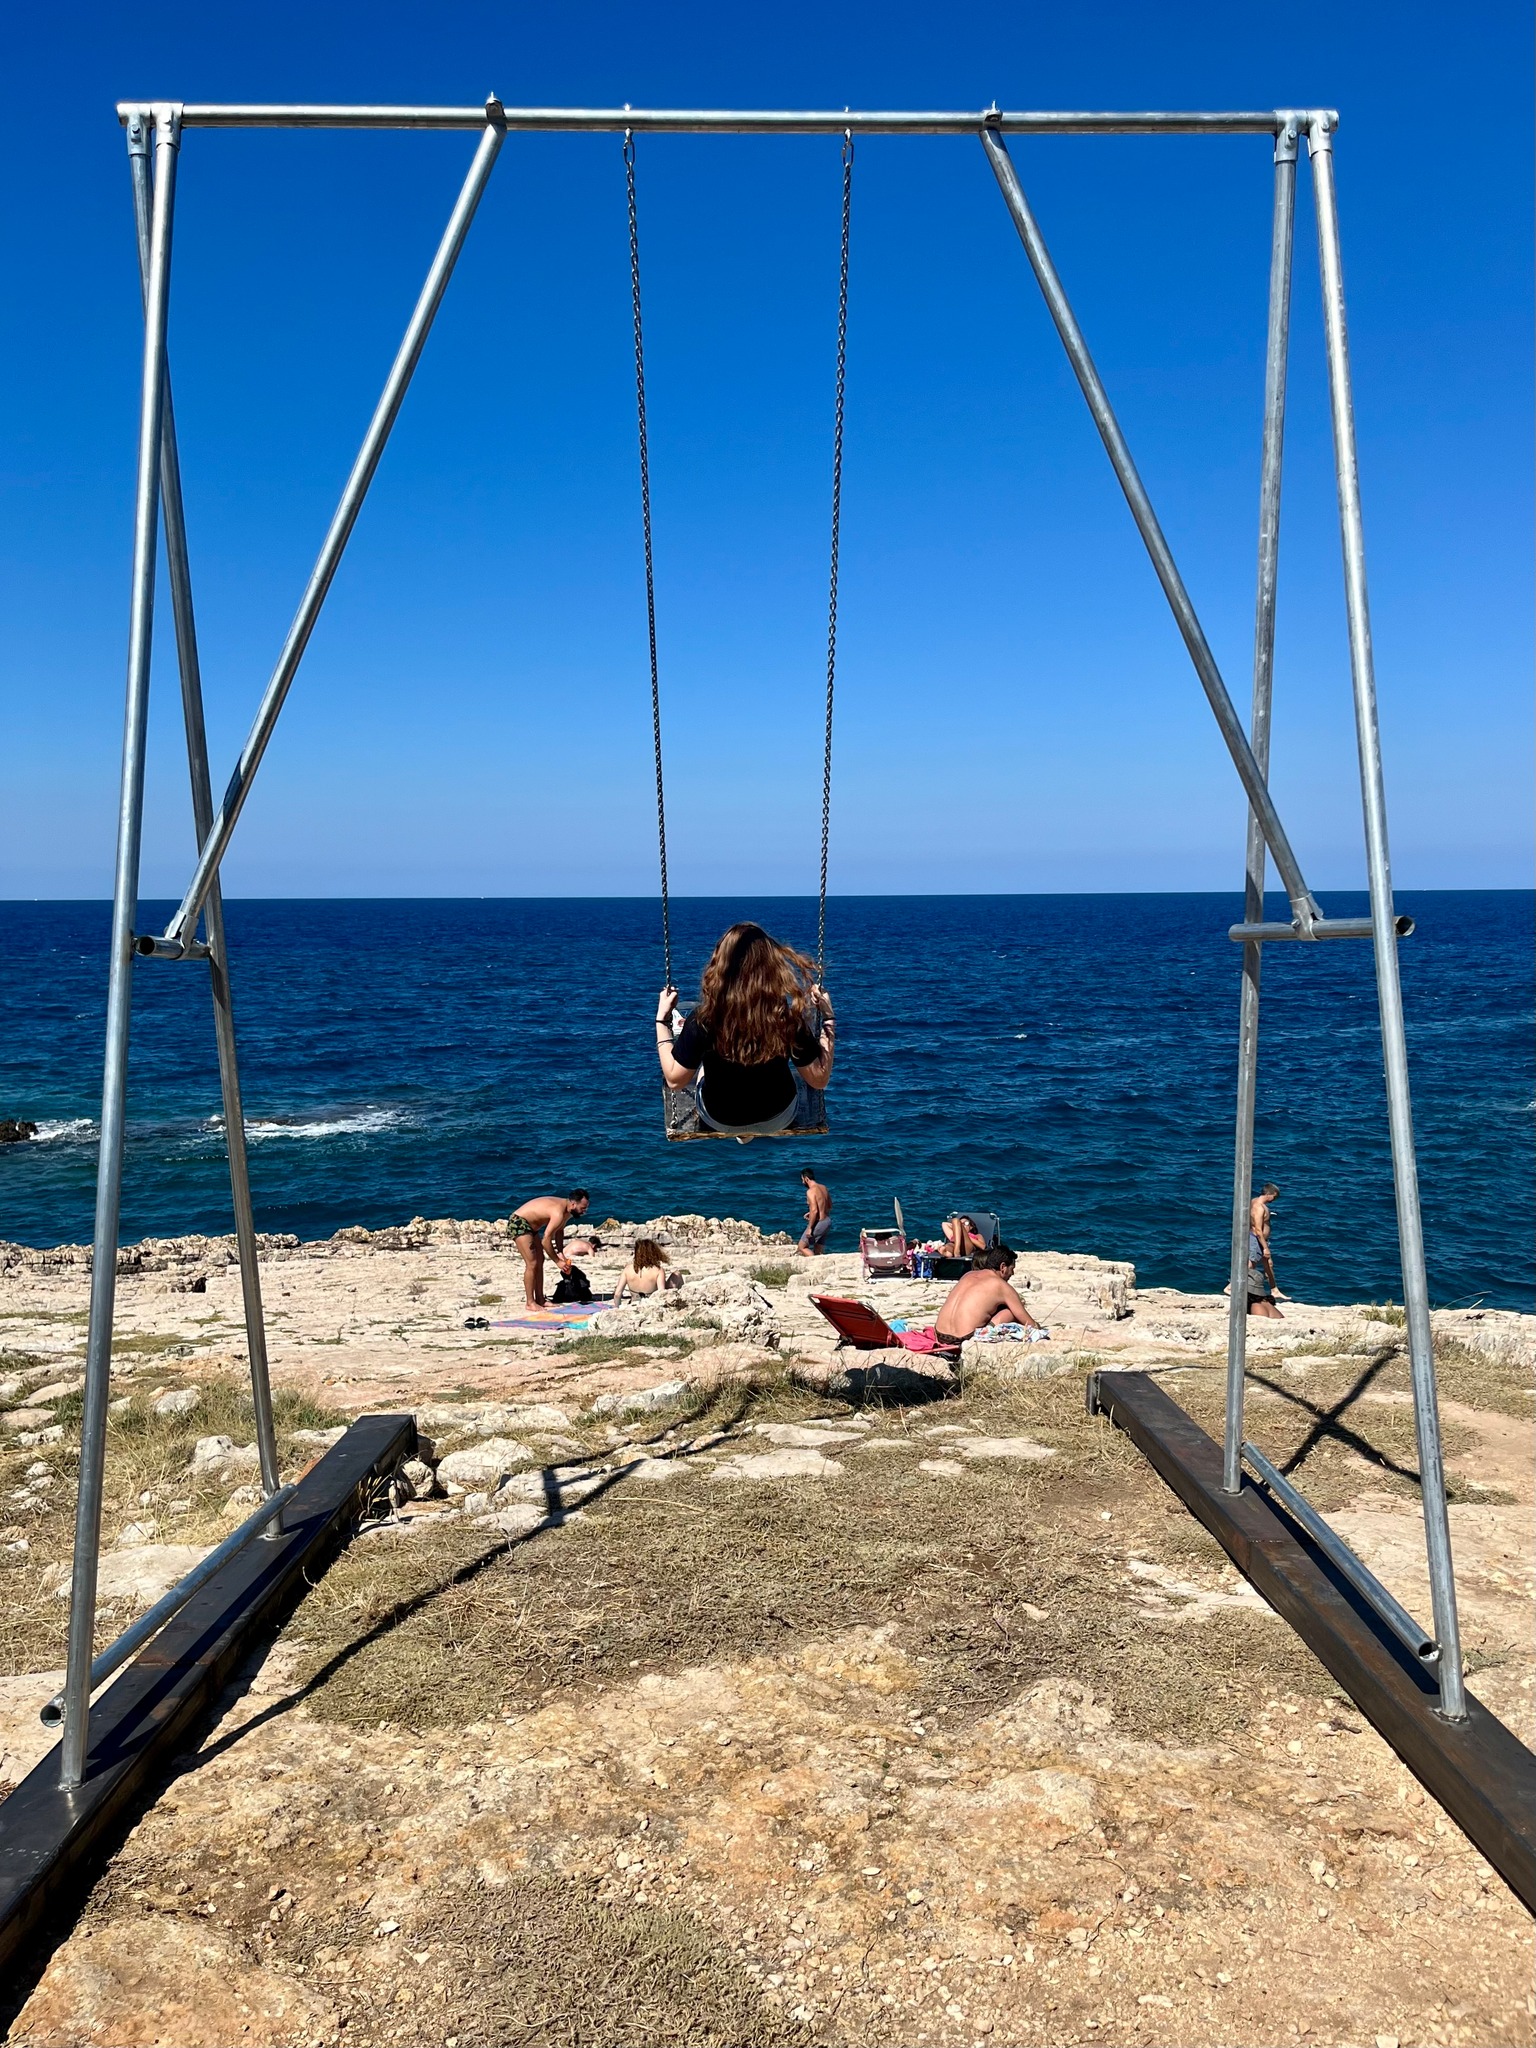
(1235, 892)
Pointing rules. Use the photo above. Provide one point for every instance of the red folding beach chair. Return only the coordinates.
(866, 1330)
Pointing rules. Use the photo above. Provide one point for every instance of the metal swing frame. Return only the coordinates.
(155, 131)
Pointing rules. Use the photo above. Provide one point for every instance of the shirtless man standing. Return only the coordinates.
(1263, 1290)
(538, 1229)
(983, 1296)
(818, 1214)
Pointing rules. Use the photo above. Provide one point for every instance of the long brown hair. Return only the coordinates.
(647, 1252)
(754, 996)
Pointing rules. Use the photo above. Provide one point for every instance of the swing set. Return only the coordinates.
(680, 1106)
(1407, 1678)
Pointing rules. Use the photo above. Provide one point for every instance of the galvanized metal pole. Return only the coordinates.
(1410, 1228)
(180, 576)
(109, 1166)
(153, 1619)
(725, 121)
(1275, 363)
(183, 924)
(1147, 524)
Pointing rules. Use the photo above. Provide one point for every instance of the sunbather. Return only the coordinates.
(754, 1041)
(648, 1271)
(982, 1296)
(964, 1236)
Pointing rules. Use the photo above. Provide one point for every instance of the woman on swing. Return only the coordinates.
(761, 1033)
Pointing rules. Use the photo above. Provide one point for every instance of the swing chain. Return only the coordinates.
(837, 520)
(650, 563)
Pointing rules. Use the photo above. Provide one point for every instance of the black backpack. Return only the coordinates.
(573, 1286)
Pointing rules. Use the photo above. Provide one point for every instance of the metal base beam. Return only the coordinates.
(1480, 1773)
(53, 1840)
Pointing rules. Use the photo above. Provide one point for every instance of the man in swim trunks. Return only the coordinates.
(1263, 1291)
(982, 1296)
(818, 1214)
(538, 1230)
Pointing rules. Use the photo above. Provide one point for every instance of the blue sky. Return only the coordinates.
(1016, 710)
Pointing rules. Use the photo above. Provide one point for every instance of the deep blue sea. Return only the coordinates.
(1066, 1060)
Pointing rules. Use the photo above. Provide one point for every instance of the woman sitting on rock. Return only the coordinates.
(647, 1271)
(754, 1042)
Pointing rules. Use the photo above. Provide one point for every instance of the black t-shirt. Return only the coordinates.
(736, 1094)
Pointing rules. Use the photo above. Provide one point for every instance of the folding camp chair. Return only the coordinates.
(883, 1254)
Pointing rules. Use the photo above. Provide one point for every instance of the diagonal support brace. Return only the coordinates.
(344, 519)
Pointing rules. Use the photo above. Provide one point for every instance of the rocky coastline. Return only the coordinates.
(880, 1701)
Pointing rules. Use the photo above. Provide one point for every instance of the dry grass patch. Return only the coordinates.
(545, 1963)
(534, 1962)
(1496, 1377)
(1004, 1576)
(146, 1454)
(1327, 1437)
(26, 1364)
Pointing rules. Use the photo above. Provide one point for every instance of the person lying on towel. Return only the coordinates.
(761, 1034)
(983, 1297)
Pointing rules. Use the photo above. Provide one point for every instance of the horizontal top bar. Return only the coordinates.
(613, 120)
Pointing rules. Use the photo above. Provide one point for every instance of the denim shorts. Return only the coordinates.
(793, 1113)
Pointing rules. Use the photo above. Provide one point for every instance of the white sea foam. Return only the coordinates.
(65, 1130)
(353, 1124)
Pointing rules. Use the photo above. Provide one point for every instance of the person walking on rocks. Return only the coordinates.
(818, 1214)
(1263, 1289)
(537, 1228)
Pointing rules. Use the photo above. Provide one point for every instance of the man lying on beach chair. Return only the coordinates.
(866, 1330)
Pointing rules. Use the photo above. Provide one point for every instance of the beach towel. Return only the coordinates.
(924, 1340)
(566, 1315)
